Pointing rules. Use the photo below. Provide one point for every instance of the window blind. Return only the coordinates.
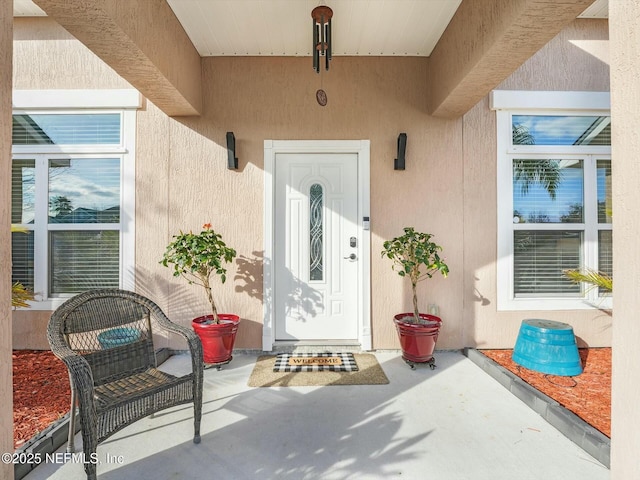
(66, 129)
(23, 191)
(22, 258)
(81, 260)
(548, 191)
(604, 191)
(605, 252)
(540, 257)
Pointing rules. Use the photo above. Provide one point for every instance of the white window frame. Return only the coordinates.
(511, 102)
(122, 101)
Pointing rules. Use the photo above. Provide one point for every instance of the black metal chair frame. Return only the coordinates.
(114, 379)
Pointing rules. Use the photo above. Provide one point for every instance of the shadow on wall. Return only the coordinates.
(301, 300)
(250, 275)
(172, 299)
(182, 302)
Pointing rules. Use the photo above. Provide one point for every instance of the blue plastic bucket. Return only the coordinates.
(548, 347)
(118, 336)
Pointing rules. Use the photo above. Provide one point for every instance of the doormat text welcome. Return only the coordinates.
(315, 362)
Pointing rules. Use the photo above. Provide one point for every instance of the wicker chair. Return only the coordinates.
(105, 339)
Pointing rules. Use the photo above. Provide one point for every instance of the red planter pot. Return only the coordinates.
(217, 338)
(418, 341)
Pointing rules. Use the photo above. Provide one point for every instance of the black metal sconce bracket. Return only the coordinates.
(399, 163)
(231, 152)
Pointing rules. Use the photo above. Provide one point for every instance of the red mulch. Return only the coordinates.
(588, 395)
(41, 392)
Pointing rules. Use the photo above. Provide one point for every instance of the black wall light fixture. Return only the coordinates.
(231, 152)
(399, 163)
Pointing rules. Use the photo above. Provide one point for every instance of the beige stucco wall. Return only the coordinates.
(142, 41)
(274, 98)
(448, 189)
(625, 106)
(47, 56)
(583, 48)
(485, 42)
(30, 329)
(6, 385)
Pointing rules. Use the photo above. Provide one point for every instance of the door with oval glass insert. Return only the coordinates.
(316, 251)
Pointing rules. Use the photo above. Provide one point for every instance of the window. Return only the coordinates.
(72, 190)
(554, 197)
(316, 261)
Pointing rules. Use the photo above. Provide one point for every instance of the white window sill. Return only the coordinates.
(44, 305)
(518, 304)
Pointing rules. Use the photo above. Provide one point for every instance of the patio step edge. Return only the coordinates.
(591, 440)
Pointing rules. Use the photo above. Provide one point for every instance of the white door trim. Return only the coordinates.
(359, 147)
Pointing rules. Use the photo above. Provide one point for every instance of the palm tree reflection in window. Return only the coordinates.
(545, 172)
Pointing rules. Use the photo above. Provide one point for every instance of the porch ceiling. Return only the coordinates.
(281, 27)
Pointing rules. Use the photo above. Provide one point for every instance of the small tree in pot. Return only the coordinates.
(196, 257)
(416, 257)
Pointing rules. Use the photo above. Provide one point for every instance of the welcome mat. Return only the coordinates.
(369, 373)
(315, 362)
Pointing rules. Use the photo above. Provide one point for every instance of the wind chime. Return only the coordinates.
(321, 44)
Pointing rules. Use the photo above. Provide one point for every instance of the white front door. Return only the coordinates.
(316, 248)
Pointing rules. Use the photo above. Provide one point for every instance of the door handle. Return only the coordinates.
(351, 257)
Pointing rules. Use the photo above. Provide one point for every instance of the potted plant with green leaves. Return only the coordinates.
(417, 258)
(591, 278)
(196, 257)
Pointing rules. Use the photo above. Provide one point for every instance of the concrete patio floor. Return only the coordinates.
(453, 423)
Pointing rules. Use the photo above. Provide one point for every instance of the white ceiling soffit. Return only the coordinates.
(598, 9)
(26, 8)
(283, 27)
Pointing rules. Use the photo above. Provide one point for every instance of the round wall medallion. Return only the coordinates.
(321, 96)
